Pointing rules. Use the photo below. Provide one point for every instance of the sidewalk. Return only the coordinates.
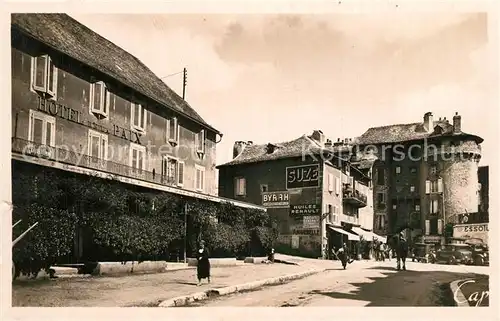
(138, 290)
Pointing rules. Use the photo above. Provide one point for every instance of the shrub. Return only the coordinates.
(123, 223)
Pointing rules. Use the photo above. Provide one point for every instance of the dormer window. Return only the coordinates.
(270, 148)
(99, 99)
(44, 76)
(138, 117)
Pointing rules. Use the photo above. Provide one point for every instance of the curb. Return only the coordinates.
(457, 294)
(186, 299)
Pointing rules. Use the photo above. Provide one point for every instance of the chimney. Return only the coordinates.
(238, 148)
(328, 143)
(428, 122)
(457, 123)
(318, 136)
(250, 143)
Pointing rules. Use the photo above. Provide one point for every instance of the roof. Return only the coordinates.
(259, 153)
(75, 40)
(409, 132)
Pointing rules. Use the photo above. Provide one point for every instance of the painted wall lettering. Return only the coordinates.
(276, 199)
(306, 209)
(302, 176)
(58, 110)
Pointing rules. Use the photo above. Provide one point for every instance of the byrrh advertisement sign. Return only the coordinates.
(276, 199)
(472, 230)
(303, 176)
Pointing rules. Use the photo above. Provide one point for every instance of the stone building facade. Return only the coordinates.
(316, 195)
(425, 177)
(81, 104)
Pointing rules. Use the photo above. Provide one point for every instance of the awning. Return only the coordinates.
(367, 235)
(350, 236)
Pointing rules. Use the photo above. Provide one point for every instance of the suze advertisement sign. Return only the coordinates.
(303, 176)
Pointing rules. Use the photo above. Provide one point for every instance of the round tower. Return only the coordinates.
(459, 166)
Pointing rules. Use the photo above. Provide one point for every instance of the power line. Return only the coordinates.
(180, 72)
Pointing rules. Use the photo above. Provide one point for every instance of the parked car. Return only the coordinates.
(480, 253)
(424, 253)
(454, 254)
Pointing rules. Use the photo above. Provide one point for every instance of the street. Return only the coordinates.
(361, 284)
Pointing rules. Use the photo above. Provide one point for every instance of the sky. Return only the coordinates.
(272, 78)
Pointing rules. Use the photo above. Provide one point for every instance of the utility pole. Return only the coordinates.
(184, 82)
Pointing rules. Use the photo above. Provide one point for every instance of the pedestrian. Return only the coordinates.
(270, 256)
(203, 267)
(343, 256)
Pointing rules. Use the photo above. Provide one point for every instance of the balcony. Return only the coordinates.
(351, 219)
(353, 197)
(66, 156)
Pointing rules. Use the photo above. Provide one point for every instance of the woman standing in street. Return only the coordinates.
(203, 267)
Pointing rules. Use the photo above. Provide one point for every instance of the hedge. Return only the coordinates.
(123, 223)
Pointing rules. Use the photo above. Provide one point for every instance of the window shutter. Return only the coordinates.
(440, 227)
(337, 186)
(427, 227)
(427, 187)
(330, 182)
(196, 140)
(440, 185)
(180, 173)
(144, 118)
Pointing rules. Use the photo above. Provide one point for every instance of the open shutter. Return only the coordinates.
(427, 187)
(440, 227)
(330, 182)
(427, 227)
(180, 174)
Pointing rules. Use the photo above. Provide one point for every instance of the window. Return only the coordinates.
(413, 170)
(99, 99)
(380, 221)
(412, 188)
(434, 186)
(240, 186)
(433, 206)
(200, 141)
(137, 156)
(263, 188)
(433, 226)
(98, 145)
(42, 129)
(394, 206)
(329, 209)
(44, 75)
(427, 227)
(172, 171)
(330, 182)
(380, 200)
(439, 227)
(380, 176)
(398, 169)
(173, 134)
(200, 178)
(417, 207)
(138, 117)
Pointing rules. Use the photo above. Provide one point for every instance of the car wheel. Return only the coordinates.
(452, 261)
(479, 261)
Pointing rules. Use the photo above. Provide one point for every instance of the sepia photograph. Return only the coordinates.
(196, 160)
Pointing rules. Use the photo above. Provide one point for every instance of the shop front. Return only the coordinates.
(337, 236)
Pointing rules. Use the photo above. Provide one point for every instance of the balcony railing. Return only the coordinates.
(349, 219)
(354, 197)
(66, 156)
